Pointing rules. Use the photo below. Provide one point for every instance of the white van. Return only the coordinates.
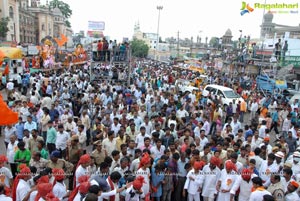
(227, 94)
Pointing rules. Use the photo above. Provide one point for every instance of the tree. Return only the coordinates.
(214, 42)
(64, 8)
(68, 23)
(4, 27)
(96, 35)
(139, 48)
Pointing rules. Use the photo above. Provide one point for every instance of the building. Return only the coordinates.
(31, 21)
(269, 29)
(28, 22)
(227, 40)
(149, 38)
(10, 8)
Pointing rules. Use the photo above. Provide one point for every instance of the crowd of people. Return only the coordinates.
(81, 140)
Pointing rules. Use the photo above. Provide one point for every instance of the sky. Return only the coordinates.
(206, 18)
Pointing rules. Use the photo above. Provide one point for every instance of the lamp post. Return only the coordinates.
(159, 8)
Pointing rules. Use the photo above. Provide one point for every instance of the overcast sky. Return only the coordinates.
(189, 17)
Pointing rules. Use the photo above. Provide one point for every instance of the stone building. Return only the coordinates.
(10, 8)
(31, 21)
(269, 29)
(28, 22)
(227, 40)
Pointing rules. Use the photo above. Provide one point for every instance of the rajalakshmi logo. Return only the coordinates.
(282, 8)
(246, 8)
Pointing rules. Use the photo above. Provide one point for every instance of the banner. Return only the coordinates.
(96, 26)
(96, 34)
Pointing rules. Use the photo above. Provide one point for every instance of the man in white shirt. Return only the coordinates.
(10, 86)
(260, 191)
(6, 176)
(253, 109)
(3, 197)
(192, 183)
(291, 194)
(209, 178)
(10, 153)
(70, 126)
(244, 183)
(203, 139)
(81, 170)
(235, 125)
(139, 140)
(115, 127)
(262, 129)
(60, 189)
(158, 150)
(29, 124)
(206, 125)
(267, 168)
(23, 188)
(226, 180)
(181, 113)
(62, 138)
(109, 143)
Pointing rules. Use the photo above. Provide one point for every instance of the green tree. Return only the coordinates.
(214, 42)
(4, 27)
(139, 48)
(96, 35)
(64, 8)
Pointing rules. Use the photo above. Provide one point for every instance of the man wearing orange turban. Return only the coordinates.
(211, 174)
(43, 189)
(214, 161)
(82, 191)
(243, 183)
(21, 188)
(51, 197)
(144, 171)
(59, 188)
(230, 166)
(6, 176)
(192, 183)
(135, 192)
(145, 160)
(83, 163)
(81, 179)
(291, 193)
(226, 181)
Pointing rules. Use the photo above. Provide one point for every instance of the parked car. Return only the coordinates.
(227, 94)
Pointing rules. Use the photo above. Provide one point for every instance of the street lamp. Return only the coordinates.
(159, 8)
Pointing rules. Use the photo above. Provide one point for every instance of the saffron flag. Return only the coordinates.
(10, 116)
(6, 70)
(62, 41)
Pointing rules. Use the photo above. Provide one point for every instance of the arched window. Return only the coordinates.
(11, 12)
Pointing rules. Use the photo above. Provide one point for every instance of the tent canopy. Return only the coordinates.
(10, 52)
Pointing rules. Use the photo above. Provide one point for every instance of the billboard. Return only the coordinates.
(96, 34)
(96, 25)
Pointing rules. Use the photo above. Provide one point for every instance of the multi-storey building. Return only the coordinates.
(31, 22)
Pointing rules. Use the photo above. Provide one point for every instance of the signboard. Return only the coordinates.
(33, 50)
(96, 26)
(294, 60)
(96, 34)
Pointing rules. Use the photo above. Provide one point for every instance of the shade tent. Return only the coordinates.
(10, 52)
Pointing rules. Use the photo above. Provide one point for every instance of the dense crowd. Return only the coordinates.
(81, 140)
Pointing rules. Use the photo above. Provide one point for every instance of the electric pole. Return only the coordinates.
(129, 66)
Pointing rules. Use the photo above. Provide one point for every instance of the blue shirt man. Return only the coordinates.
(20, 129)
